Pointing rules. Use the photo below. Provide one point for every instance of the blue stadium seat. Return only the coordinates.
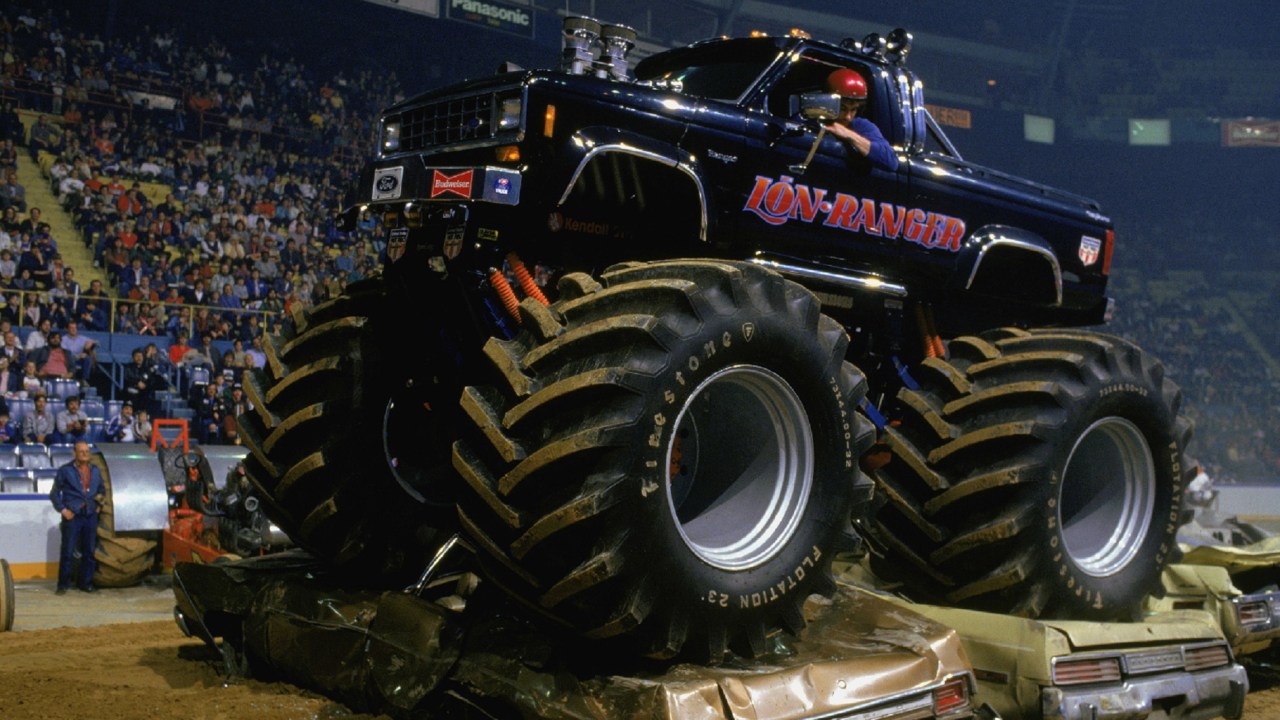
(8, 456)
(97, 431)
(95, 409)
(20, 408)
(61, 453)
(34, 455)
(44, 479)
(16, 480)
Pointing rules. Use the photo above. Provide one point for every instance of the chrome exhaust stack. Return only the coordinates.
(579, 38)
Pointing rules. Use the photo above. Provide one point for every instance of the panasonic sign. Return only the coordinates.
(514, 19)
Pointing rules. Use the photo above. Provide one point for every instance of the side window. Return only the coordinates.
(809, 74)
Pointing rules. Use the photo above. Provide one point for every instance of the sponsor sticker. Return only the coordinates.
(397, 241)
(387, 183)
(453, 242)
(502, 185)
(1090, 248)
(459, 184)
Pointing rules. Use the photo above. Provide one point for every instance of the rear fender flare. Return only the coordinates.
(989, 252)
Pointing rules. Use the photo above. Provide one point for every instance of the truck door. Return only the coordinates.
(814, 197)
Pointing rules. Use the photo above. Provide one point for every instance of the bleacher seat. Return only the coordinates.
(61, 388)
(97, 431)
(16, 480)
(95, 409)
(61, 453)
(44, 479)
(34, 455)
(8, 456)
(113, 408)
(200, 375)
(20, 408)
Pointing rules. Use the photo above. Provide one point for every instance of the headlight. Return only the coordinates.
(390, 137)
(509, 115)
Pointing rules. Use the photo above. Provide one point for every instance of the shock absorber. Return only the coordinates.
(527, 285)
(505, 293)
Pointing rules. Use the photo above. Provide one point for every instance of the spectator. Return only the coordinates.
(9, 432)
(137, 380)
(232, 407)
(72, 423)
(10, 379)
(142, 426)
(39, 425)
(120, 428)
(38, 337)
(31, 384)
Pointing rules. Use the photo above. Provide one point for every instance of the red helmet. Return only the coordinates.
(848, 84)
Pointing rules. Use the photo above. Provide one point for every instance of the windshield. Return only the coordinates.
(719, 70)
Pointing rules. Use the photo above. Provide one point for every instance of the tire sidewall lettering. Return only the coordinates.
(760, 342)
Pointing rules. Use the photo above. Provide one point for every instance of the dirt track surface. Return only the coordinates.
(149, 670)
(136, 670)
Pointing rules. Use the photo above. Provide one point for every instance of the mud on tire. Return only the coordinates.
(667, 459)
(1038, 473)
(315, 438)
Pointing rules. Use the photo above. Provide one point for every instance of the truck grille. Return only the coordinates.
(447, 122)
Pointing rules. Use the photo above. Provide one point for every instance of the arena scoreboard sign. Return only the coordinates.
(504, 17)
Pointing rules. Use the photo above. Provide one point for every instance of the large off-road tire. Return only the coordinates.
(315, 436)
(6, 597)
(668, 459)
(122, 561)
(1038, 473)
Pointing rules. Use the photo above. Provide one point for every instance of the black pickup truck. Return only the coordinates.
(659, 348)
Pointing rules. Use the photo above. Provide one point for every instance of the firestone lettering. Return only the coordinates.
(780, 201)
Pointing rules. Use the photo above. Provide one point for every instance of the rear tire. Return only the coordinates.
(1036, 473)
(6, 597)
(316, 437)
(668, 460)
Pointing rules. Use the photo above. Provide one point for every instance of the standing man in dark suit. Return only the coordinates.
(78, 493)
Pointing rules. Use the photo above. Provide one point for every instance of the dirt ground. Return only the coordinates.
(149, 670)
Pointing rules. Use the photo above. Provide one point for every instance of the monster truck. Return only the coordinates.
(634, 339)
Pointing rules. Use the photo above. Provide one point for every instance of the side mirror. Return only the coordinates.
(819, 107)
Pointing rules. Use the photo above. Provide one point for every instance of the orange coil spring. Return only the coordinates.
(933, 346)
(523, 277)
(505, 294)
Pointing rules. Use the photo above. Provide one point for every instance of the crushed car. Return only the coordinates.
(412, 654)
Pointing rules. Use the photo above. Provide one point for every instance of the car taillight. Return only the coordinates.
(1107, 246)
(1202, 658)
(1254, 614)
(951, 696)
(1079, 672)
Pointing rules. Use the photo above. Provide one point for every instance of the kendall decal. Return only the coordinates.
(779, 201)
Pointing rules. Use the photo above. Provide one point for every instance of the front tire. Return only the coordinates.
(317, 437)
(669, 458)
(1036, 473)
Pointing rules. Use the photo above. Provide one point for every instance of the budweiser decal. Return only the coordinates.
(459, 184)
(783, 200)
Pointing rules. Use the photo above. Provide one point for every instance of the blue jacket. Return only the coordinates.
(881, 153)
(68, 491)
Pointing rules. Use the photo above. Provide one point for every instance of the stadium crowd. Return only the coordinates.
(206, 186)
(205, 177)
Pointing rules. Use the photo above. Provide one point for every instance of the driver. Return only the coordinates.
(860, 134)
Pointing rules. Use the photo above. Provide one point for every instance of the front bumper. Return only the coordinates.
(1207, 694)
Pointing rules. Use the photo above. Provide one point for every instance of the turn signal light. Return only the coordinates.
(1202, 658)
(549, 121)
(508, 153)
